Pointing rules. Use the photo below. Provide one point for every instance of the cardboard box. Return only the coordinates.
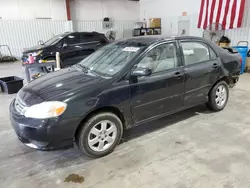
(222, 44)
(154, 22)
(248, 64)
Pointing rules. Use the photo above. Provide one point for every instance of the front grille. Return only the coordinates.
(19, 105)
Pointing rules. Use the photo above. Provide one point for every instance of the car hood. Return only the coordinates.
(34, 48)
(58, 85)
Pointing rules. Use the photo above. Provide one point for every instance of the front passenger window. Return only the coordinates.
(161, 58)
(195, 52)
(72, 39)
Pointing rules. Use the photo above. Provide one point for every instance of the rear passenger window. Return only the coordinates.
(84, 37)
(195, 52)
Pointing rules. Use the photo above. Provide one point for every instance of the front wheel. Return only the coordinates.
(218, 96)
(100, 135)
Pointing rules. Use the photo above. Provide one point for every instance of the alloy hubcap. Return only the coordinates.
(49, 68)
(102, 135)
(221, 95)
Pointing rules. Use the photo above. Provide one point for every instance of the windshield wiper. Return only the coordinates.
(87, 69)
(84, 68)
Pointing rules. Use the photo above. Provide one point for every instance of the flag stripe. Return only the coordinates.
(229, 15)
(219, 13)
(201, 13)
(212, 12)
(237, 14)
(225, 15)
(241, 13)
(223, 9)
(206, 17)
(233, 14)
(204, 14)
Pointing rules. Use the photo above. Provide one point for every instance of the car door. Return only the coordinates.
(162, 91)
(89, 44)
(202, 69)
(70, 50)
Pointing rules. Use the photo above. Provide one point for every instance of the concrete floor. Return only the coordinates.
(194, 148)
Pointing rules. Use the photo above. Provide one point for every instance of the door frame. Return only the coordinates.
(178, 50)
(208, 46)
(135, 81)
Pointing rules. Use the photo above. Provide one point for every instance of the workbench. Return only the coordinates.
(35, 66)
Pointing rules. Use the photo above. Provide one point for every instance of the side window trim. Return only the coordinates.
(210, 54)
(194, 41)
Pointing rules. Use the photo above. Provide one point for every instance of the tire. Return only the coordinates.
(47, 69)
(218, 96)
(92, 131)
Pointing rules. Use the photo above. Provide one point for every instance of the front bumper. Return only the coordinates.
(47, 134)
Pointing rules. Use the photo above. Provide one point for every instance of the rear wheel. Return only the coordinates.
(47, 69)
(218, 96)
(100, 135)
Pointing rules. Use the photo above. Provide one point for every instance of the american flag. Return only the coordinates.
(227, 13)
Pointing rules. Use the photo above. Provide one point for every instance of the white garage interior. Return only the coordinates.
(194, 148)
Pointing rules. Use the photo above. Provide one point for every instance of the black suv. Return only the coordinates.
(73, 47)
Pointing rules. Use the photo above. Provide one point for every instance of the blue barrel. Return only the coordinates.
(242, 49)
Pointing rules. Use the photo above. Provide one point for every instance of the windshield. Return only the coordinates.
(110, 59)
(54, 40)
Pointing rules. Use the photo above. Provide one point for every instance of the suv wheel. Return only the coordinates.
(218, 96)
(100, 135)
(47, 69)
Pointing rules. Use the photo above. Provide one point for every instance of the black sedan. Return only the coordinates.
(119, 86)
(72, 46)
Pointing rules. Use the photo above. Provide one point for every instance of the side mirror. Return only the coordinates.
(40, 42)
(64, 45)
(141, 71)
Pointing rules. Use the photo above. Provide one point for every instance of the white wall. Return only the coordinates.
(80, 9)
(168, 8)
(98, 9)
(170, 12)
(32, 9)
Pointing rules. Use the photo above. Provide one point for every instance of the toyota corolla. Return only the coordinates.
(119, 86)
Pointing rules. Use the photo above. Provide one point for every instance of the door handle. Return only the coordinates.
(178, 75)
(215, 66)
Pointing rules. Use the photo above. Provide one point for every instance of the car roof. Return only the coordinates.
(147, 40)
(85, 32)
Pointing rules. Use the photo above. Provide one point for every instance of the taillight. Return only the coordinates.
(241, 60)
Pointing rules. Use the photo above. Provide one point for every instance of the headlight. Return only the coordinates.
(46, 110)
(34, 54)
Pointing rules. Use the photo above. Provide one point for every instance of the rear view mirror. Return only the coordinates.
(141, 71)
(40, 42)
(64, 45)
